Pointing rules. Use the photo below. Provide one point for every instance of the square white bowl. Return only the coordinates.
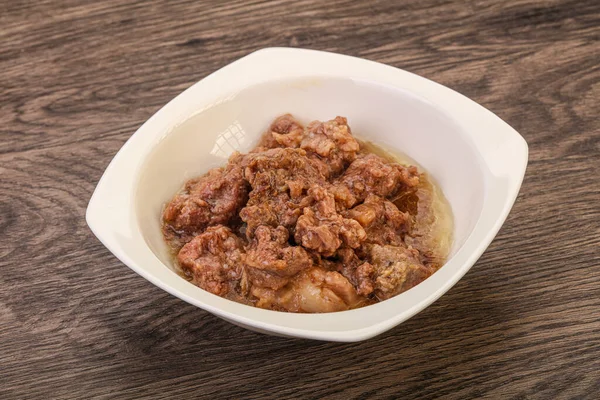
(478, 160)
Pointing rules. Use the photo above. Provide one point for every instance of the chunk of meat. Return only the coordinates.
(279, 179)
(363, 276)
(397, 269)
(287, 131)
(212, 199)
(330, 143)
(213, 260)
(284, 131)
(344, 198)
(371, 174)
(381, 219)
(322, 229)
(314, 290)
(274, 211)
(360, 273)
(273, 168)
(271, 260)
(259, 278)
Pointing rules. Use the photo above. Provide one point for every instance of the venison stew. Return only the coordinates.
(312, 220)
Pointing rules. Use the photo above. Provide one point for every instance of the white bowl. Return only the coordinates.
(478, 160)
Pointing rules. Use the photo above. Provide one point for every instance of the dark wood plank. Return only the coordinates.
(78, 77)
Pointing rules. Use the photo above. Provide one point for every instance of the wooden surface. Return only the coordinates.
(77, 79)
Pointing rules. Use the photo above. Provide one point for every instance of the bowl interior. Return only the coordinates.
(390, 117)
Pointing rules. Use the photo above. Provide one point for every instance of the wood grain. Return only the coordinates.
(78, 77)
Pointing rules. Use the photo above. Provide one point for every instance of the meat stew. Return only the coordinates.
(311, 220)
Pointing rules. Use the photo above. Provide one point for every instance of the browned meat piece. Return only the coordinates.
(318, 235)
(371, 174)
(363, 276)
(314, 290)
(331, 143)
(322, 229)
(287, 131)
(357, 271)
(271, 260)
(381, 219)
(344, 198)
(279, 180)
(274, 211)
(213, 260)
(397, 269)
(258, 278)
(212, 199)
(272, 169)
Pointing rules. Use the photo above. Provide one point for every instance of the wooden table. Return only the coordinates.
(77, 79)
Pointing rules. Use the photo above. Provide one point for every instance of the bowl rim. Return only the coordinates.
(111, 215)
